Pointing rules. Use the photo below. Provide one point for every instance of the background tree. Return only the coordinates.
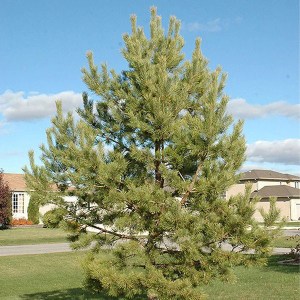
(149, 162)
(5, 203)
(33, 211)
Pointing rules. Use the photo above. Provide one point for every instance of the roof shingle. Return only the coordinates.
(279, 191)
(16, 182)
(267, 175)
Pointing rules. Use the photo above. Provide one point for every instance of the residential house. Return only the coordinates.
(20, 196)
(266, 184)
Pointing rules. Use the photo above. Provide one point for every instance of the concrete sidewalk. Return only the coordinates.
(65, 247)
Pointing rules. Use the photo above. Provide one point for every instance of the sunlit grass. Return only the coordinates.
(32, 235)
(60, 276)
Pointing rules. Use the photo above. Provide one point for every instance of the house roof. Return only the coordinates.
(16, 182)
(267, 175)
(279, 191)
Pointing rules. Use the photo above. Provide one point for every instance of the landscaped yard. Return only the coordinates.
(60, 276)
(32, 235)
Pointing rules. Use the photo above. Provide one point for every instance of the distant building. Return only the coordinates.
(20, 196)
(267, 184)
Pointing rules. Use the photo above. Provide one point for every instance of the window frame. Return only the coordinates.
(18, 203)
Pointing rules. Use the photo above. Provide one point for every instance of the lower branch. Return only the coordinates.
(114, 233)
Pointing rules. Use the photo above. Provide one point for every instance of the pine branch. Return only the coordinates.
(191, 186)
(120, 235)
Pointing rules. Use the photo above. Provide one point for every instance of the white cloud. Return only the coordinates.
(11, 154)
(286, 152)
(240, 108)
(210, 26)
(15, 106)
(215, 25)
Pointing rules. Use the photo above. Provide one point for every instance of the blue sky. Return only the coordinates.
(44, 43)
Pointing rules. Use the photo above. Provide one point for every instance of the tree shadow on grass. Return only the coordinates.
(275, 266)
(70, 294)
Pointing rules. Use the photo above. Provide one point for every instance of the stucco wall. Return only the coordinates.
(261, 184)
(235, 189)
(282, 204)
(239, 189)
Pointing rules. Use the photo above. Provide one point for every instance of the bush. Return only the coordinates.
(5, 203)
(33, 211)
(295, 251)
(22, 221)
(53, 217)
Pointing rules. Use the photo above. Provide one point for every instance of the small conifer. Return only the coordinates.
(149, 161)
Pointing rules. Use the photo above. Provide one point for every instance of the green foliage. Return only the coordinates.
(33, 210)
(53, 217)
(295, 251)
(149, 162)
(272, 215)
(5, 203)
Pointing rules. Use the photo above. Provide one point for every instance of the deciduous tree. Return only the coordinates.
(5, 203)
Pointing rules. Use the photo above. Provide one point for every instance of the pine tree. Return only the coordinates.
(5, 203)
(149, 162)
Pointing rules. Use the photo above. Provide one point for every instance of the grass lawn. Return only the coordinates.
(292, 224)
(286, 241)
(59, 276)
(31, 235)
(260, 283)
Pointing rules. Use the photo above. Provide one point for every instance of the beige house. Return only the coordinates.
(266, 184)
(20, 196)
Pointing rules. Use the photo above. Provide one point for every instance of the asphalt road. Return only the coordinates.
(291, 232)
(34, 249)
(64, 247)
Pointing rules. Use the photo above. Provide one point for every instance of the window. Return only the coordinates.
(297, 184)
(18, 203)
(223, 195)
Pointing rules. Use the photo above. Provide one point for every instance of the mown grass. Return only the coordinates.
(292, 224)
(273, 281)
(60, 276)
(31, 235)
(286, 241)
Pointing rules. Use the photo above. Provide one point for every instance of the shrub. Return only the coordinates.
(53, 217)
(295, 251)
(5, 203)
(22, 221)
(33, 211)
